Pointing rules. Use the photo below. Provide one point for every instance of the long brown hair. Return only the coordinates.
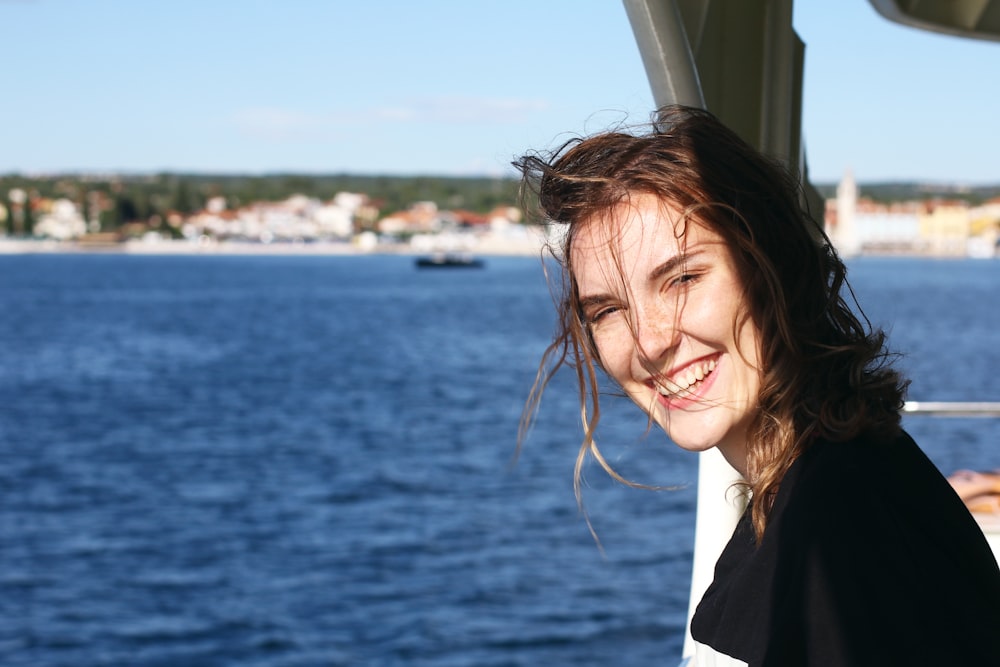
(825, 373)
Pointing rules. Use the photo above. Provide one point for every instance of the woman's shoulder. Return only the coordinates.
(862, 470)
(880, 499)
(827, 456)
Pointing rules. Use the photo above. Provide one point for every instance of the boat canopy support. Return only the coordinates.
(976, 19)
(741, 60)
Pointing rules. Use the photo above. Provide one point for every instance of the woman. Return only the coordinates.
(694, 281)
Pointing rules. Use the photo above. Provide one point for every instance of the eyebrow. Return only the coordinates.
(673, 264)
(595, 300)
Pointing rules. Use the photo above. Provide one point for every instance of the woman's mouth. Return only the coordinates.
(687, 383)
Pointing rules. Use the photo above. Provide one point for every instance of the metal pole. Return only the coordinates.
(953, 408)
(666, 52)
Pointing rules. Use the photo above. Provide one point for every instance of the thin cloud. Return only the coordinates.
(275, 124)
(400, 114)
(467, 109)
(279, 124)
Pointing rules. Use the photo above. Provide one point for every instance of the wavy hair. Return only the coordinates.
(824, 371)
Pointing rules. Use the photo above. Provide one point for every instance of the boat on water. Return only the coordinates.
(449, 261)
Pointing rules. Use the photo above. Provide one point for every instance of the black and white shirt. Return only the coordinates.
(869, 558)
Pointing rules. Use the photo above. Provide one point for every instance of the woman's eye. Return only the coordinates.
(598, 315)
(684, 278)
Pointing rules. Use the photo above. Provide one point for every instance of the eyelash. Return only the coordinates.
(600, 314)
(684, 279)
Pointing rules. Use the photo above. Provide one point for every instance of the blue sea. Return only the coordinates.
(296, 461)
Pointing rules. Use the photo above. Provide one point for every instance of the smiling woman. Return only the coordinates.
(694, 280)
(675, 326)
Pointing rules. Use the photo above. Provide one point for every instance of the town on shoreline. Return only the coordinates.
(530, 242)
(168, 215)
(937, 227)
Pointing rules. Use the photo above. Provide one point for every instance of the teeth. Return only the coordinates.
(691, 375)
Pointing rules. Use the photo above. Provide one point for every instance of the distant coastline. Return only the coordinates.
(489, 248)
(350, 215)
(531, 245)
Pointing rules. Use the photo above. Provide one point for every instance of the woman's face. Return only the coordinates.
(664, 305)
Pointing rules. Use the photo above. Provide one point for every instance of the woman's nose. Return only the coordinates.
(656, 337)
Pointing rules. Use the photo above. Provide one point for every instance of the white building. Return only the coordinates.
(845, 237)
(861, 225)
(62, 222)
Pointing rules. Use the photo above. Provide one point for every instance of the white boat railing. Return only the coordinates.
(953, 408)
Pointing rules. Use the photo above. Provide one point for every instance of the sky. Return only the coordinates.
(443, 87)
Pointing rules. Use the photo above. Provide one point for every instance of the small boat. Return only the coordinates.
(449, 261)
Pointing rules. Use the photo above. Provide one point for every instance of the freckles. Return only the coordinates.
(614, 359)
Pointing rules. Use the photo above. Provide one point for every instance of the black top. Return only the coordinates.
(869, 558)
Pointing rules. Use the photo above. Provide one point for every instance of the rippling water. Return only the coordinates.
(307, 461)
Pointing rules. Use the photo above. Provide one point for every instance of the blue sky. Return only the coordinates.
(442, 87)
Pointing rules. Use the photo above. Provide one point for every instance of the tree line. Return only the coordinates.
(900, 191)
(116, 200)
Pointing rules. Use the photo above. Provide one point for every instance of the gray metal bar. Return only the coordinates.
(666, 52)
(780, 109)
(953, 408)
(978, 19)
